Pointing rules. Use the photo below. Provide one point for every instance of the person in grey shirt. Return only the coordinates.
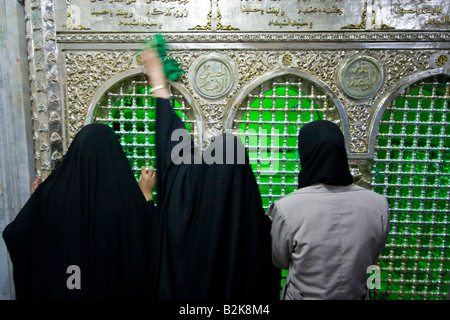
(329, 231)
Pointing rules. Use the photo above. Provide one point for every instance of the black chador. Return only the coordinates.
(213, 236)
(85, 232)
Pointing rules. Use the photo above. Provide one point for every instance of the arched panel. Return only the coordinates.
(126, 105)
(267, 115)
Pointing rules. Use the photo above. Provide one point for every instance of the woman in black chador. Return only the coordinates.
(85, 231)
(213, 237)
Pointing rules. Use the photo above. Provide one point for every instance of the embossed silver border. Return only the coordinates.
(392, 37)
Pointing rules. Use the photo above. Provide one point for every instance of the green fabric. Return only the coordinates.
(171, 67)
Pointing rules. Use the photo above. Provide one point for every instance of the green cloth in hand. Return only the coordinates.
(172, 69)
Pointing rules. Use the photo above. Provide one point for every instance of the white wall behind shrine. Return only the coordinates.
(16, 145)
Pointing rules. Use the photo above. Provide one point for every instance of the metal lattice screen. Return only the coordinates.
(130, 110)
(412, 163)
(268, 123)
(412, 169)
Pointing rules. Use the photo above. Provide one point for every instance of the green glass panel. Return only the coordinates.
(284, 115)
(398, 115)
(140, 126)
(397, 129)
(381, 154)
(438, 116)
(413, 103)
(411, 116)
(425, 103)
(384, 128)
(140, 139)
(128, 139)
(127, 114)
(400, 102)
(115, 114)
(439, 104)
(392, 179)
(128, 126)
(424, 117)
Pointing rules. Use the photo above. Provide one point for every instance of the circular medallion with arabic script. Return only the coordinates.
(360, 77)
(213, 75)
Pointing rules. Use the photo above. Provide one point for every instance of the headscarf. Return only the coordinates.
(89, 213)
(323, 157)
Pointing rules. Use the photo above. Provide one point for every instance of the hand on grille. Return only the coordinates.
(147, 181)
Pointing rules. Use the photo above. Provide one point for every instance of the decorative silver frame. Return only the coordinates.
(63, 101)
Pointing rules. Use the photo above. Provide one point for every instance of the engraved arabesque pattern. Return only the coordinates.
(87, 71)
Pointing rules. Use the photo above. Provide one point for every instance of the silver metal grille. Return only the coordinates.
(412, 169)
(268, 123)
(411, 164)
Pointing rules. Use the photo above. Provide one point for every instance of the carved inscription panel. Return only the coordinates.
(250, 15)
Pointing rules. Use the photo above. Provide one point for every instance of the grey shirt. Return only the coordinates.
(327, 237)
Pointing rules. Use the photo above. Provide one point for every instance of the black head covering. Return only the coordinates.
(323, 156)
(214, 236)
(89, 212)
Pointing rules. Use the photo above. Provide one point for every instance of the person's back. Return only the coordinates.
(329, 231)
(334, 233)
(212, 238)
(85, 232)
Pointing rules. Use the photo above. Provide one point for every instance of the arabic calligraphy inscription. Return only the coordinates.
(213, 76)
(361, 77)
